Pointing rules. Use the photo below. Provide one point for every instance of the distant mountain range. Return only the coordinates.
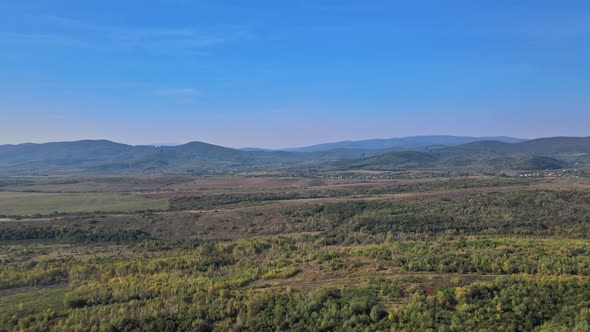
(406, 143)
(102, 156)
(537, 154)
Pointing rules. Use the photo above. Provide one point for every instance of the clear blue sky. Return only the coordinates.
(291, 73)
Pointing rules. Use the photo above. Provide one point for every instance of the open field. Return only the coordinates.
(25, 203)
(95, 184)
(256, 253)
(34, 299)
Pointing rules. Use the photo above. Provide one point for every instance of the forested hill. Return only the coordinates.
(538, 154)
(102, 156)
(550, 145)
(404, 143)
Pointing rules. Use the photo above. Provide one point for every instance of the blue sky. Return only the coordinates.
(291, 73)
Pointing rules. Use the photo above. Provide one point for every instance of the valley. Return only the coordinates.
(251, 252)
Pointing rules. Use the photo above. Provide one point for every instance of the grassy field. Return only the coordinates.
(267, 254)
(18, 203)
(34, 300)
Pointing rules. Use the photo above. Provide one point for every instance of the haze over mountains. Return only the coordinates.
(102, 156)
(411, 142)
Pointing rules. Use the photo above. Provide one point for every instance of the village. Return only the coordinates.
(573, 173)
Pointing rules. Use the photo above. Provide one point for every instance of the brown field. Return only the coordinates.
(248, 219)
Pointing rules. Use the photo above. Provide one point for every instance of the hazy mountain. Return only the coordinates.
(256, 149)
(550, 145)
(101, 156)
(543, 153)
(404, 159)
(406, 143)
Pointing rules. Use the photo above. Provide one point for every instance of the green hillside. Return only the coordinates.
(103, 156)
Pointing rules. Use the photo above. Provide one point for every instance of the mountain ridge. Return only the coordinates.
(542, 153)
(104, 156)
(407, 142)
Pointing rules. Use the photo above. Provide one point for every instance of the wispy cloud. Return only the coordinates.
(63, 31)
(179, 92)
(44, 39)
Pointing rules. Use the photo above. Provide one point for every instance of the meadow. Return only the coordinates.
(268, 253)
(27, 203)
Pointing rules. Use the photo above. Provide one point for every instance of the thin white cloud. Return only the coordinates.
(156, 40)
(179, 92)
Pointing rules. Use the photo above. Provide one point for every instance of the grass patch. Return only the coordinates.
(19, 203)
(283, 273)
(34, 300)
